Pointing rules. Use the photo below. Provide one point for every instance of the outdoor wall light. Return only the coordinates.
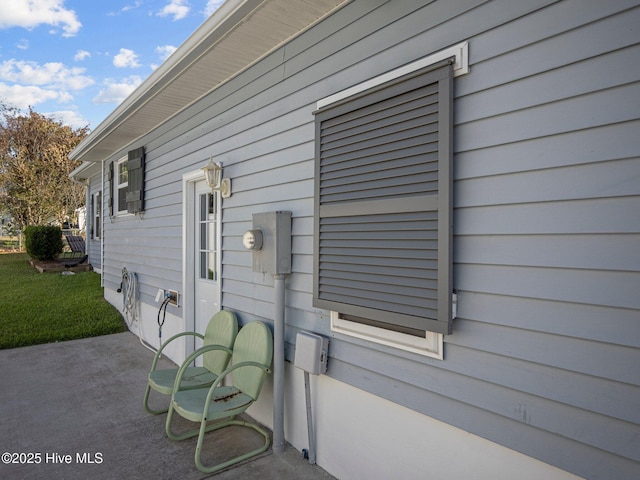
(213, 175)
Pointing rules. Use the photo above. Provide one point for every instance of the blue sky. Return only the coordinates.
(76, 60)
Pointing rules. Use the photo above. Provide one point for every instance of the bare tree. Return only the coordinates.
(35, 187)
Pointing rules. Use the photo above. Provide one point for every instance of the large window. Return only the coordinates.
(383, 206)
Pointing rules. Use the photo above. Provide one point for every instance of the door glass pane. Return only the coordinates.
(211, 273)
(207, 236)
(203, 264)
(203, 206)
(203, 236)
(211, 234)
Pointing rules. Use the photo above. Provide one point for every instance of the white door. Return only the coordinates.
(206, 247)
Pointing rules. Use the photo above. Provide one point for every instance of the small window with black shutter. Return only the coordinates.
(126, 183)
(135, 182)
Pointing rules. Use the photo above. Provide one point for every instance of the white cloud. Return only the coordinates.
(69, 117)
(26, 84)
(23, 44)
(81, 55)
(24, 97)
(136, 4)
(212, 6)
(165, 51)
(115, 92)
(54, 75)
(30, 14)
(126, 58)
(126, 8)
(64, 97)
(178, 8)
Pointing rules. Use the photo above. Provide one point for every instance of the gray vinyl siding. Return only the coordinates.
(545, 351)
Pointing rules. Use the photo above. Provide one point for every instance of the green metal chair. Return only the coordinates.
(218, 340)
(250, 364)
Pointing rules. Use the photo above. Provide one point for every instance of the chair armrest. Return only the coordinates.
(167, 342)
(192, 357)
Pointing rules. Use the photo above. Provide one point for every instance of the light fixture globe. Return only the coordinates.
(213, 176)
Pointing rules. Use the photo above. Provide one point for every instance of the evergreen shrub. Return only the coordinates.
(43, 242)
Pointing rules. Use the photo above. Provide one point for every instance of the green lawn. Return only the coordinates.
(51, 307)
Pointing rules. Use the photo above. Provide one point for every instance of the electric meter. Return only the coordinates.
(252, 239)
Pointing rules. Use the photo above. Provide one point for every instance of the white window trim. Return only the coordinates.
(117, 210)
(432, 344)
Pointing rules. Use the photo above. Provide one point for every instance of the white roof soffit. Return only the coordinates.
(237, 35)
(85, 171)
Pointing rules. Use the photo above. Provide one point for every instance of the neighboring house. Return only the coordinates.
(5, 222)
(514, 123)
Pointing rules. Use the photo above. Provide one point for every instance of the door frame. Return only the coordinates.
(189, 181)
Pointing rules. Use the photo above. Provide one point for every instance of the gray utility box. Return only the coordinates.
(275, 255)
(311, 352)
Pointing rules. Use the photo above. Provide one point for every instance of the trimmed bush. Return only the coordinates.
(43, 242)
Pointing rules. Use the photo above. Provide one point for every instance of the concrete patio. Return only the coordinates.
(74, 409)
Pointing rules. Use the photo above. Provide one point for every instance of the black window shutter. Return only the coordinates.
(135, 187)
(383, 206)
(111, 180)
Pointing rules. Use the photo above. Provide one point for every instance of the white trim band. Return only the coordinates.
(460, 67)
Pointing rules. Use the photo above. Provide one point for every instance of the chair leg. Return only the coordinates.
(204, 429)
(174, 436)
(184, 436)
(146, 403)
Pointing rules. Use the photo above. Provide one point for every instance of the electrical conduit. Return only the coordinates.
(278, 364)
